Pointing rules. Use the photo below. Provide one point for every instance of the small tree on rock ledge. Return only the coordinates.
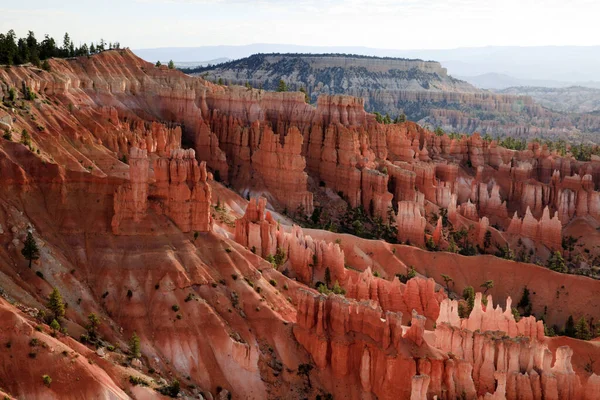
(56, 304)
(134, 346)
(30, 251)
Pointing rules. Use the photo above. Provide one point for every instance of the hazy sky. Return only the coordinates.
(394, 24)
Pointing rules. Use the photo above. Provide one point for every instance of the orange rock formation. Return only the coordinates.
(123, 218)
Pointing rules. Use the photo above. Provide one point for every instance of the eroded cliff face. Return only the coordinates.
(421, 89)
(114, 168)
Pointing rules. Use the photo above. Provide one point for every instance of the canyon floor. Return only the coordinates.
(259, 247)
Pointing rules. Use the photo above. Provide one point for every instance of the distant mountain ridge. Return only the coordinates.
(423, 90)
(496, 81)
(381, 81)
(574, 64)
(575, 99)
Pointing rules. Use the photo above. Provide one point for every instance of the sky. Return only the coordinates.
(386, 24)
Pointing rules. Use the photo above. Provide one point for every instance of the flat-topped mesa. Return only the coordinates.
(131, 199)
(546, 231)
(281, 169)
(181, 191)
(411, 223)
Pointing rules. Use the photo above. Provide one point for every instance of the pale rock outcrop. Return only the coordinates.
(131, 199)
(257, 230)
(281, 169)
(358, 340)
(410, 222)
(546, 231)
(182, 192)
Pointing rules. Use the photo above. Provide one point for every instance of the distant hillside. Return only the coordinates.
(574, 64)
(497, 81)
(575, 99)
(387, 84)
(195, 64)
(422, 90)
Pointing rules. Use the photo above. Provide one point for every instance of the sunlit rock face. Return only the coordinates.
(124, 202)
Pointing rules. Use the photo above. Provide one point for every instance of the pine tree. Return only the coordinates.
(158, 64)
(171, 64)
(469, 296)
(30, 251)
(487, 285)
(525, 302)
(304, 370)
(327, 277)
(134, 346)
(56, 304)
(93, 325)
(55, 326)
(447, 281)
(556, 262)
(452, 247)
(487, 239)
(281, 87)
(570, 327)
(582, 330)
(66, 45)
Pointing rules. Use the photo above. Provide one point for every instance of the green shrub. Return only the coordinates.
(273, 282)
(136, 380)
(47, 380)
(171, 390)
(175, 307)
